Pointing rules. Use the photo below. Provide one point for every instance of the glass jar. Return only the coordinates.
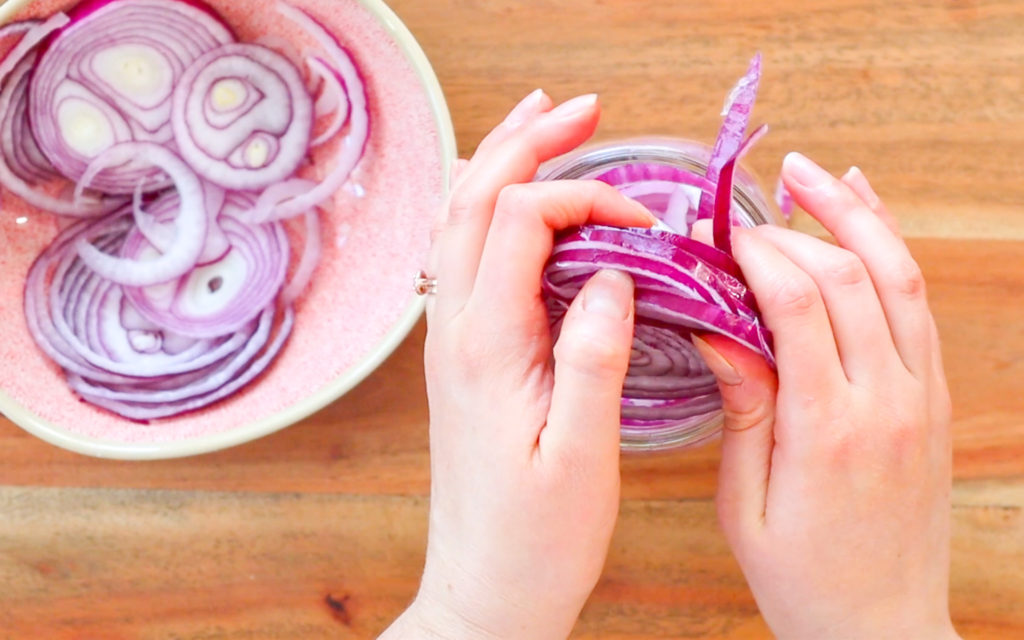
(751, 208)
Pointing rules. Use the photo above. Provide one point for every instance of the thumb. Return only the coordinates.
(748, 387)
(591, 359)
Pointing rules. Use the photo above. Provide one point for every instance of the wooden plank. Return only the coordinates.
(374, 440)
(925, 96)
(121, 564)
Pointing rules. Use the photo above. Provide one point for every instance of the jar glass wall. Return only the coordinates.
(750, 208)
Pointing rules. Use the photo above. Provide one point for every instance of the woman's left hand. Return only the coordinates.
(524, 434)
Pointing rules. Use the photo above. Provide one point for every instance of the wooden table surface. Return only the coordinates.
(318, 531)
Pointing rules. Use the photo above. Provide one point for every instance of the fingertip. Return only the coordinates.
(800, 173)
(609, 293)
(858, 183)
(643, 216)
(745, 364)
(724, 370)
(702, 231)
(584, 105)
(529, 106)
(597, 332)
(826, 198)
(591, 359)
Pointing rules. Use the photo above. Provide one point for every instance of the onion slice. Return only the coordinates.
(183, 152)
(108, 76)
(242, 116)
(334, 87)
(34, 34)
(736, 117)
(189, 227)
(682, 287)
(352, 145)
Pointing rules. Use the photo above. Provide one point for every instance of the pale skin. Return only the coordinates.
(835, 476)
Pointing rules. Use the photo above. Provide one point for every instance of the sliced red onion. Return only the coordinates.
(160, 235)
(34, 34)
(115, 358)
(175, 298)
(723, 202)
(20, 151)
(352, 144)
(224, 295)
(213, 376)
(243, 116)
(59, 320)
(307, 263)
(673, 288)
(736, 114)
(677, 293)
(190, 225)
(18, 28)
(337, 98)
(108, 77)
(143, 410)
(328, 99)
(286, 190)
(682, 286)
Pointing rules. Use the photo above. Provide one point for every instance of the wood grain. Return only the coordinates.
(318, 531)
(176, 564)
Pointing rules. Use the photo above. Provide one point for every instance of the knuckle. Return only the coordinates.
(907, 279)
(845, 447)
(460, 208)
(752, 416)
(512, 198)
(846, 269)
(793, 296)
(592, 353)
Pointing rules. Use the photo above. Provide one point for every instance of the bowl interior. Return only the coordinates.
(360, 304)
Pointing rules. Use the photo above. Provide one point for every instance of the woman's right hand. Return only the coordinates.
(834, 488)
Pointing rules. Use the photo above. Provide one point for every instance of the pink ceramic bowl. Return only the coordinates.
(360, 304)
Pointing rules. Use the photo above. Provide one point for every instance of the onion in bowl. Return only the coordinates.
(348, 282)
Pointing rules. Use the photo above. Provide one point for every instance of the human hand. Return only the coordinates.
(834, 487)
(524, 451)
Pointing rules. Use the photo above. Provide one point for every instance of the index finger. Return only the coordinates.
(515, 159)
(793, 308)
(521, 237)
(895, 274)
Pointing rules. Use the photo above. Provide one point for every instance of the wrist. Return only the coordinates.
(455, 604)
(876, 629)
(428, 619)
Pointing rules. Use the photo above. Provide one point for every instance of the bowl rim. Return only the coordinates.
(326, 394)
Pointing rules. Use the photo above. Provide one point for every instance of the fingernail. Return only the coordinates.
(609, 293)
(575, 106)
(857, 181)
(719, 366)
(651, 218)
(804, 172)
(522, 111)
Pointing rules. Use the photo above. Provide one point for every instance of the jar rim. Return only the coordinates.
(683, 153)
